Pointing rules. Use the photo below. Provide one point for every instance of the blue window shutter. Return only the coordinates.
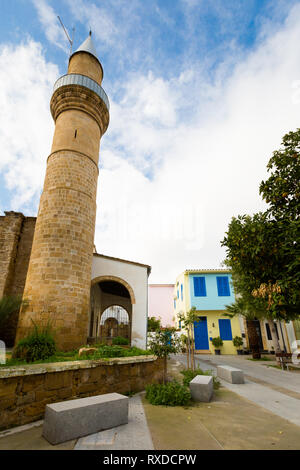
(225, 330)
(177, 294)
(180, 324)
(223, 286)
(199, 287)
(181, 291)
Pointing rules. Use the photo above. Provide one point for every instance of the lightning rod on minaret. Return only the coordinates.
(66, 33)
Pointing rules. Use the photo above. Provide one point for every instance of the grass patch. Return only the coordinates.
(263, 358)
(103, 352)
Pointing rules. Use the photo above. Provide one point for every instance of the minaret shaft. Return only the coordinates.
(59, 276)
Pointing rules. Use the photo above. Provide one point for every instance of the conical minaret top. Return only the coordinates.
(85, 61)
(88, 46)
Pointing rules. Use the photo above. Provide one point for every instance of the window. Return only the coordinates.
(177, 294)
(174, 303)
(223, 286)
(180, 324)
(225, 330)
(269, 335)
(181, 287)
(199, 287)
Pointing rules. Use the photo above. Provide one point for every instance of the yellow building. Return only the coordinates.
(209, 291)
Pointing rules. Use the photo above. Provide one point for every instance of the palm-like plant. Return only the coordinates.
(8, 305)
(244, 308)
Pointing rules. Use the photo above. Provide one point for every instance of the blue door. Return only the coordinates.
(201, 334)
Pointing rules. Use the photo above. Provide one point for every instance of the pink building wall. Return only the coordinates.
(161, 303)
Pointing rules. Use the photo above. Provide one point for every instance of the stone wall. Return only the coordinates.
(25, 390)
(16, 235)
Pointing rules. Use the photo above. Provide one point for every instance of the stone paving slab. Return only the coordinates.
(29, 437)
(278, 403)
(132, 436)
(257, 369)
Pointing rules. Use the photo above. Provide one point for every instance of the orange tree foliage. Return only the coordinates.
(263, 250)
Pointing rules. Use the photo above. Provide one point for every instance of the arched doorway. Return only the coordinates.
(111, 311)
(114, 322)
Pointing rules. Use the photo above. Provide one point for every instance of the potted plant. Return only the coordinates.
(217, 342)
(238, 343)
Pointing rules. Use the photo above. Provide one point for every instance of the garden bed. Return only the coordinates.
(103, 352)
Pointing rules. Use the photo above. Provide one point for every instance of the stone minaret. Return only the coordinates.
(59, 275)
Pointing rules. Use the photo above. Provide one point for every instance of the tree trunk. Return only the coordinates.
(165, 370)
(275, 340)
(253, 339)
(193, 346)
(187, 355)
(189, 350)
(192, 356)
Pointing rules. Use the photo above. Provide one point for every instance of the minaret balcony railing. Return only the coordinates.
(82, 80)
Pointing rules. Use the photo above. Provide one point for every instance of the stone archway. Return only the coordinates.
(109, 293)
(99, 279)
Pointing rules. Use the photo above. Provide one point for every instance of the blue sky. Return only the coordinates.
(161, 35)
(201, 93)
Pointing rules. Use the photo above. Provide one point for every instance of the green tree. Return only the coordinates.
(153, 323)
(282, 192)
(282, 189)
(263, 250)
(187, 322)
(163, 343)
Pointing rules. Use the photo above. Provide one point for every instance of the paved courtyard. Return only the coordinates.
(273, 389)
(255, 415)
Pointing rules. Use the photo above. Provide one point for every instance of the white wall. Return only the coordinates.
(291, 335)
(137, 277)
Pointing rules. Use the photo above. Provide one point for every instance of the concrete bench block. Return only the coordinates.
(201, 388)
(230, 374)
(72, 419)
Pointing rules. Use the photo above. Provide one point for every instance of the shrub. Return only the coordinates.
(170, 394)
(163, 343)
(189, 374)
(153, 324)
(237, 341)
(217, 342)
(37, 345)
(119, 340)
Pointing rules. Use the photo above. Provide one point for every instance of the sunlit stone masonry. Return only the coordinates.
(59, 275)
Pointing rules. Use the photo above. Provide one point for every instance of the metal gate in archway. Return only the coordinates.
(114, 322)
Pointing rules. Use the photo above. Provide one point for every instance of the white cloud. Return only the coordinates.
(51, 25)
(25, 122)
(97, 18)
(204, 172)
(181, 156)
